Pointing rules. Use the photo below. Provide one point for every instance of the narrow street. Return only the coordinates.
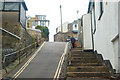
(45, 63)
(59, 40)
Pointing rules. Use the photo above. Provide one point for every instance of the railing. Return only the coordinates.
(69, 55)
(10, 33)
(24, 52)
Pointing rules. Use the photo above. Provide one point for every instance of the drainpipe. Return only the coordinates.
(82, 32)
(92, 31)
(94, 18)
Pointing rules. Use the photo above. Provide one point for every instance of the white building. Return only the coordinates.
(103, 36)
(38, 20)
(64, 28)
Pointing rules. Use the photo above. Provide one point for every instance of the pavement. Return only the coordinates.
(45, 63)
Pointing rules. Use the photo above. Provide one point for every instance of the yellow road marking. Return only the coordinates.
(61, 61)
(26, 64)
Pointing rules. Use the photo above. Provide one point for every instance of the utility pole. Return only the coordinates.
(78, 24)
(61, 17)
(61, 22)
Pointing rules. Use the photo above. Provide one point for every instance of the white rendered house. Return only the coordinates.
(103, 30)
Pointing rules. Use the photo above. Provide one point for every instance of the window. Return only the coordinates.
(36, 23)
(75, 26)
(11, 6)
(68, 27)
(33, 23)
(42, 23)
(44, 18)
(22, 15)
(1, 5)
(56, 30)
(39, 18)
(101, 9)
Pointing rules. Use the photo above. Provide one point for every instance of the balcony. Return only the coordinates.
(75, 31)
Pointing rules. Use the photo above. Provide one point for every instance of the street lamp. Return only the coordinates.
(78, 24)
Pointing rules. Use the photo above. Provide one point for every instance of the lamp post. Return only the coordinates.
(78, 24)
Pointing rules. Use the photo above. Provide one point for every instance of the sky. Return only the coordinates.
(51, 8)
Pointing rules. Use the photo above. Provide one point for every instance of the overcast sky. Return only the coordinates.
(51, 8)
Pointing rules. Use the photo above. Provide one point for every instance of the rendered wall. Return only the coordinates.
(106, 31)
(87, 39)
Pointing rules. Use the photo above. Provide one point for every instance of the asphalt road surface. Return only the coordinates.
(45, 63)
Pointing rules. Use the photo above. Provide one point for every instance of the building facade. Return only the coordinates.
(102, 30)
(69, 30)
(14, 34)
(64, 28)
(38, 20)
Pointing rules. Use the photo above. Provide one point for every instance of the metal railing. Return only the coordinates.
(10, 33)
(24, 52)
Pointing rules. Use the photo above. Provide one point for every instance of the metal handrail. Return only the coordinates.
(10, 33)
(5, 56)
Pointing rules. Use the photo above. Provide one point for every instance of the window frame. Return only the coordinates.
(10, 10)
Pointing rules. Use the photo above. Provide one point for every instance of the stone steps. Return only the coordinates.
(89, 74)
(87, 65)
(83, 55)
(84, 58)
(88, 69)
(86, 61)
(82, 78)
(77, 48)
(80, 52)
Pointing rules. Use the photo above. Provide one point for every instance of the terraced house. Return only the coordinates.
(101, 30)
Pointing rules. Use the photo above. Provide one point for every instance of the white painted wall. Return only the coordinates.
(59, 29)
(75, 28)
(119, 39)
(64, 28)
(87, 39)
(106, 30)
(115, 48)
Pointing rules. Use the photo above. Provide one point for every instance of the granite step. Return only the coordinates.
(83, 55)
(86, 64)
(89, 74)
(88, 69)
(82, 78)
(84, 58)
(86, 61)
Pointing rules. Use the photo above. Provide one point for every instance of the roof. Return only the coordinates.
(24, 5)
